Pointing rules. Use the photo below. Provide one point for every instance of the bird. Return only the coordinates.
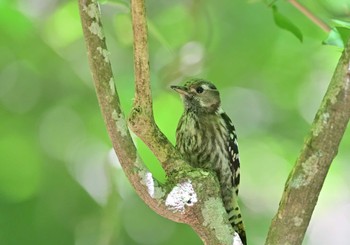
(207, 139)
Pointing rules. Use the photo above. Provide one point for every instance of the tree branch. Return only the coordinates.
(110, 106)
(143, 94)
(141, 120)
(306, 179)
(190, 195)
(208, 217)
(305, 11)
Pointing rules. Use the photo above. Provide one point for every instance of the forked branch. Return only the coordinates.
(189, 196)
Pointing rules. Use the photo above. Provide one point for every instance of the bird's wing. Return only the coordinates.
(232, 147)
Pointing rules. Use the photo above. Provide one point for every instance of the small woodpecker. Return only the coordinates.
(207, 139)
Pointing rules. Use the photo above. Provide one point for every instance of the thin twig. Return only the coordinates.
(306, 179)
(310, 15)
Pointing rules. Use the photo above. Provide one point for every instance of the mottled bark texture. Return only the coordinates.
(321, 145)
(189, 196)
(192, 196)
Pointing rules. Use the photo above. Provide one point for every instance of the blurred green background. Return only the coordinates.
(60, 182)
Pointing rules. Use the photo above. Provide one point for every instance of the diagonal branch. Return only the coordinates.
(305, 11)
(110, 106)
(306, 179)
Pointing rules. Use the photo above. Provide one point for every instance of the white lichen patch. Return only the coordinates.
(120, 123)
(297, 221)
(96, 29)
(105, 53)
(152, 187)
(297, 182)
(319, 128)
(310, 169)
(149, 182)
(181, 195)
(93, 10)
(335, 91)
(112, 86)
(214, 218)
(325, 117)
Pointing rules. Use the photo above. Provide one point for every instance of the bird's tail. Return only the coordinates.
(236, 221)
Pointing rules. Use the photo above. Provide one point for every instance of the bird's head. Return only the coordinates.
(199, 96)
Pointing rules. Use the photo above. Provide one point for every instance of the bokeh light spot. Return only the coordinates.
(20, 168)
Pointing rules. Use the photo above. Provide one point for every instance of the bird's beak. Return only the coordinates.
(182, 90)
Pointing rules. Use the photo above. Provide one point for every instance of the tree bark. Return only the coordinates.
(321, 145)
(189, 195)
(109, 101)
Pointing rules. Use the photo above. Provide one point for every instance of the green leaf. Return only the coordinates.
(284, 23)
(344, 34)
(339, 35)
(334, 39)
(341, 23)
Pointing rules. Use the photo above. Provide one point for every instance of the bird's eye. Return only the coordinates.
(199, 90)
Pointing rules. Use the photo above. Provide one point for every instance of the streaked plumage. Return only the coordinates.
(206, 138)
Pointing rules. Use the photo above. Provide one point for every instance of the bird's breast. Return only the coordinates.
(202, 141)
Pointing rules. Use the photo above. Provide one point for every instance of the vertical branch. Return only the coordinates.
(141, 120)
(306, 179)
(141, 59)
